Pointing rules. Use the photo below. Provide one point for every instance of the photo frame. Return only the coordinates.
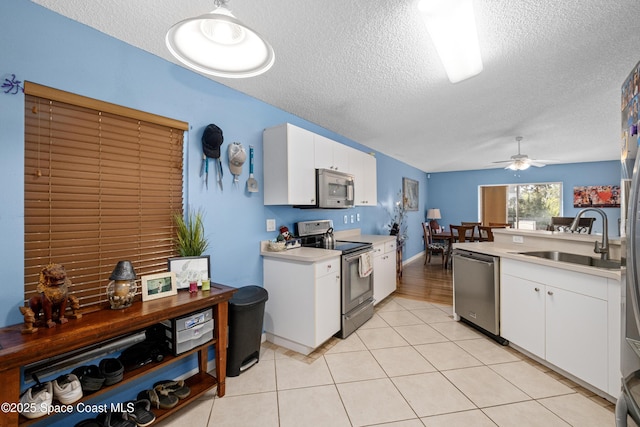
(190, 268)
(410, 195)
(158, 285)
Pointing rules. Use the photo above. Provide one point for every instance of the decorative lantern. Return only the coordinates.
(122, 287)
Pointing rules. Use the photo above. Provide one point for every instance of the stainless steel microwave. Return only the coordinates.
(334, 189)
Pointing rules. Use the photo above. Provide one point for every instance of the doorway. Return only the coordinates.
(493, 204)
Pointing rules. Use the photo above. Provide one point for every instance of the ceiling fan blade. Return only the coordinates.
(503, 161)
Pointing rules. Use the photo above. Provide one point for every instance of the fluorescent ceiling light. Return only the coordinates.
(218, 44)
(452, 27)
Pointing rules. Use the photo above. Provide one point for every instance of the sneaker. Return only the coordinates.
(36, 400)
(67, 389)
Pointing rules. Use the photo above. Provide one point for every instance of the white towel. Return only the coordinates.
(365, 266)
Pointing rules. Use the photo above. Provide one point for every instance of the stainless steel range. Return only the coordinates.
(357, 285)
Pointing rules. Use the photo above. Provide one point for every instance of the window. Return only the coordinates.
(101, 185)
(531, 206)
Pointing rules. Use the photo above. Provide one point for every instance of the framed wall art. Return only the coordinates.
(158, 285)
(189, 269)
(598, 196)
(410, 194)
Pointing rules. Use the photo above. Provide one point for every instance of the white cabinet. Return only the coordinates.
(330, 154)
(303, 309)
(565, 318)
(363, 168)
(384, 270)
(291, 156)
(289, 172)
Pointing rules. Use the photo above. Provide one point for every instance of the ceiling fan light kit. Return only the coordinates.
(218, 44)
(452, 27)
(520, 162)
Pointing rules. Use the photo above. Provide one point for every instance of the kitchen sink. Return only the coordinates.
(574, 259)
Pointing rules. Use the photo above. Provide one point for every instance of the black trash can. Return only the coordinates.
(246, 314)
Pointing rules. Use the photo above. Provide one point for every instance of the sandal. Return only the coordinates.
(141, 413)
(159, 399)
(177, 388)
(114, 419)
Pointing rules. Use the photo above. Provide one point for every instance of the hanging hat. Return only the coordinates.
(237, 157)
(211, 141)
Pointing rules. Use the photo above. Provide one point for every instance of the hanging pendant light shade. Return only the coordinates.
(218, 44)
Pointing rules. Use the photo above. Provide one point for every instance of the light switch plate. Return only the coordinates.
(345, 219)
(271, 225)
(351, 219)
(358, 217)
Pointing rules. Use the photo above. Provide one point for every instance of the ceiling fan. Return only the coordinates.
(519, 162)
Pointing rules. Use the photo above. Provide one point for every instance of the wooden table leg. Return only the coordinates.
(221, 314)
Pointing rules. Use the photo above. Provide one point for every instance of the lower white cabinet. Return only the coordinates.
(303, 309)
(569, 319)
(384, 270)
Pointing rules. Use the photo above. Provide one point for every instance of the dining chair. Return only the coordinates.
(486, 232)
(432, 247)
(462, 233)
(500, 224)
(475, 233)
(563, 223)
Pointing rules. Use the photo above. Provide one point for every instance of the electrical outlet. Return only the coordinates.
(518, 239)
(271, 225)
(358, 217)
(345, 219)
(351, 219)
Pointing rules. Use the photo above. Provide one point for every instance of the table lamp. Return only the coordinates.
(434, 215)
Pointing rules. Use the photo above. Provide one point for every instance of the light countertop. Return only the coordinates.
(511, 252)
(311, 255)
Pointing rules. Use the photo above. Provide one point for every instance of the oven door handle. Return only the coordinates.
(353, 257)
(363, 308)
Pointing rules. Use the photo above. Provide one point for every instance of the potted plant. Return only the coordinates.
(190, 239)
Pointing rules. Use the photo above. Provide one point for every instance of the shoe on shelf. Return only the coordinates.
(112, 370)
(141, 412)
(67, 389)
(160, 399)
(114, 419)
(90, 378)
(177, 388)
(36, 400)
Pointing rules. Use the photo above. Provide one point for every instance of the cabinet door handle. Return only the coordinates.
(537, 289)
(550, 292)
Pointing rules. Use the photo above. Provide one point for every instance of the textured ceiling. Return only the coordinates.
(366, 69)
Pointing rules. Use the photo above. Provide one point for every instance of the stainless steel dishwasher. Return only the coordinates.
(476, 291)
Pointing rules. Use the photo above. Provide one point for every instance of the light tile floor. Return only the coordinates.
(410, 365)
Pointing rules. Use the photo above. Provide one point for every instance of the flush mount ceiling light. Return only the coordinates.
(218, 44)
(452, 27)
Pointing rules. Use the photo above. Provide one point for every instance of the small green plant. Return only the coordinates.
(190, 239)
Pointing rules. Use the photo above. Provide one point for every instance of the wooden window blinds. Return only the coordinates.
(101, 184)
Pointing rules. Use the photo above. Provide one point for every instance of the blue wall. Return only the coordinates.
(456, 193)
(81, 60)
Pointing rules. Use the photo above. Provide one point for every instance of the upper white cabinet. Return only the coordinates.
(330, 154)
(289, 172)
(291, 157)
(363, 167)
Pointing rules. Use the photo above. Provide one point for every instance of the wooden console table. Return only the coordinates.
(18, 350)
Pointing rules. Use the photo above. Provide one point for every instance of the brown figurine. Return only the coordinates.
(29, 320)
(53, 287)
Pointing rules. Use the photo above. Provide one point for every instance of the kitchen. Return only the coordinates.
(235, 221)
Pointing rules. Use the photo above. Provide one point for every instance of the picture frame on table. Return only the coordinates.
(410, 195)
(158, 285)
(190, 268)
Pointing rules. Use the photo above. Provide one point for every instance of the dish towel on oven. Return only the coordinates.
(365, 266)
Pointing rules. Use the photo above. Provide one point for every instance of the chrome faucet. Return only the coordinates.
(601, 248)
